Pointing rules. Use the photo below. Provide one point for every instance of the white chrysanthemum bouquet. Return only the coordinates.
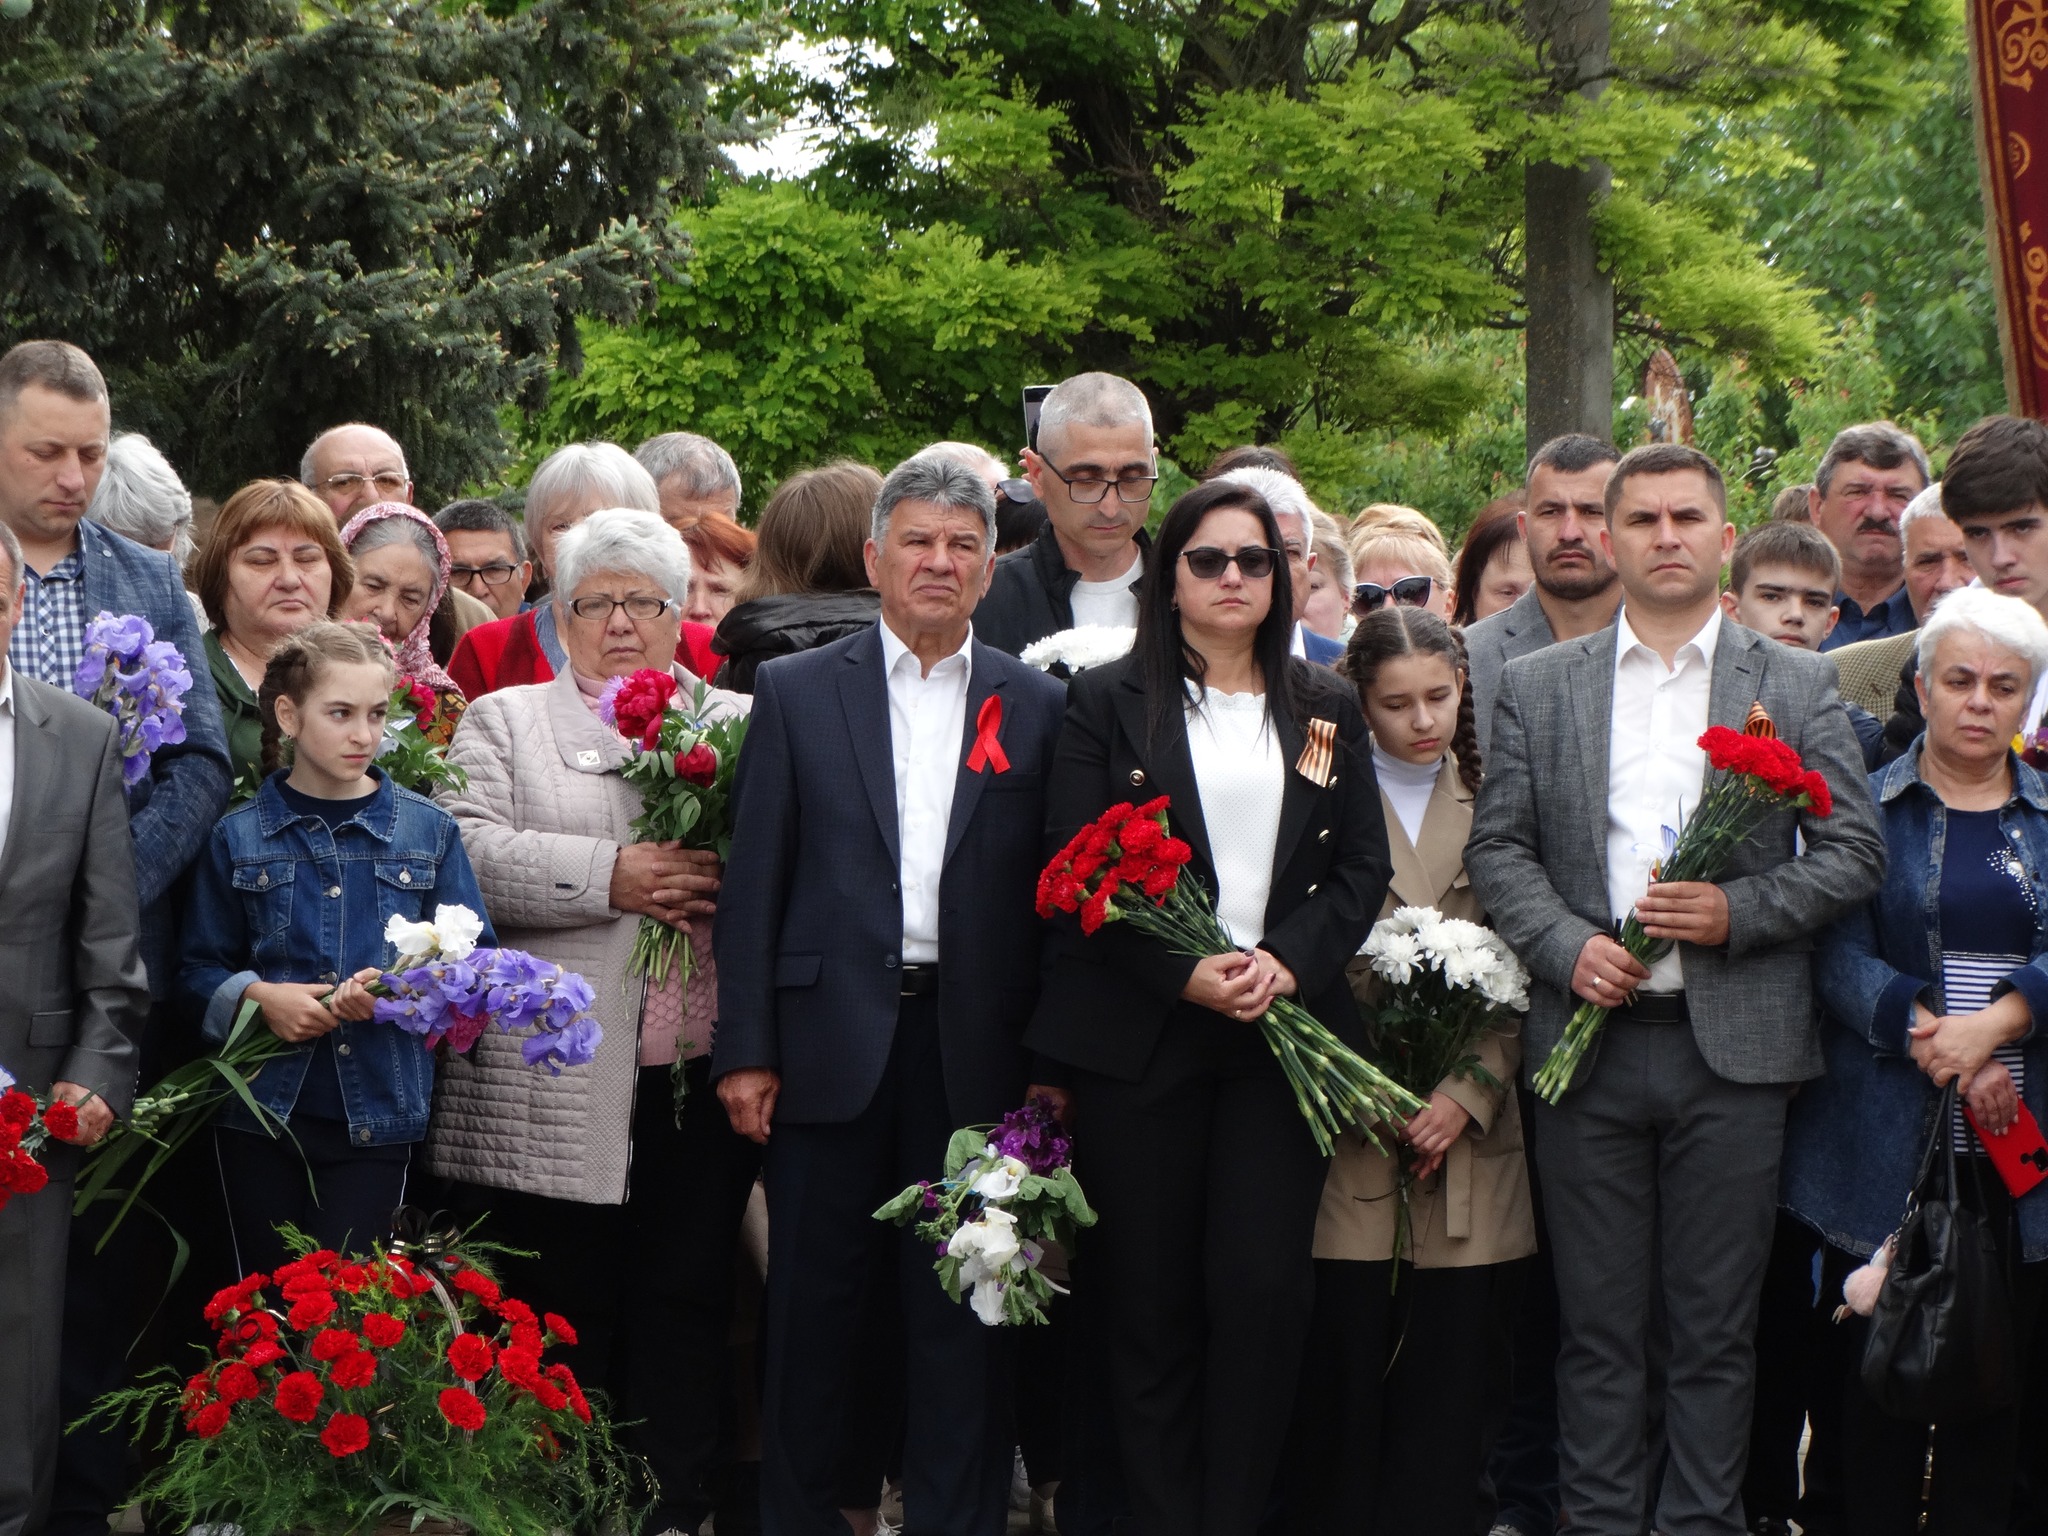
(1444, 983)
(1078, 649)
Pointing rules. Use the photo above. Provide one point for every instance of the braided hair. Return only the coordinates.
(1395, 630)
(296, 666)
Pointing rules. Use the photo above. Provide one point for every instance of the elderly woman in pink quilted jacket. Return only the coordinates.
(623, 1176)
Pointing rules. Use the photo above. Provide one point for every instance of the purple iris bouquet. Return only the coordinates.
(1007, 1192)
(138, 679)
(445, 988)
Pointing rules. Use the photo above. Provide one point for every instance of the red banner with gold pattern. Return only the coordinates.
(2009, 54)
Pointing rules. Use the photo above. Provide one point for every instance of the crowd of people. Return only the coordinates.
(1613, 1314)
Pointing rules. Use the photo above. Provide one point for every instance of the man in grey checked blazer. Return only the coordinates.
(1660, 1165)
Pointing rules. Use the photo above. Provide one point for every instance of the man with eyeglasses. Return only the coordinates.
(1865, 481)
(487, 555)
(1094, 468)
(356, 465)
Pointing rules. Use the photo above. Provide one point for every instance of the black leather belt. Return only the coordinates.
(1656, 1008)
(920, 980)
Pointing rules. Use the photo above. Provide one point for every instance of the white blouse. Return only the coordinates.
(1240, 777)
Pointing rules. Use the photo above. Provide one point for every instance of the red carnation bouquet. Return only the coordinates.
(1755, 775)
(26, 1125)
(345, 1392)
(418, 726)
(1125, 866)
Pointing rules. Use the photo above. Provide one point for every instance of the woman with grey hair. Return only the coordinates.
(1935, 984)
(141, 497)
(645, 1265)
(570, 484)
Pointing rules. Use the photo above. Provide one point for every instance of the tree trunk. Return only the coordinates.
(1570, 301)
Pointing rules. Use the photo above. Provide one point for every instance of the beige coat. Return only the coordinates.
(1475, 1209)
(543, 818)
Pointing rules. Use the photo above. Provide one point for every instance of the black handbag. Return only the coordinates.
(1941, 1340)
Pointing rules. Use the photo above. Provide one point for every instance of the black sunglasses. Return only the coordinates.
(1410, 591)
(1254, 561)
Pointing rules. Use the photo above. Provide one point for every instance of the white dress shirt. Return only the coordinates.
(1656, 769)
(1240, 779)
(6, 753)
(927, 729)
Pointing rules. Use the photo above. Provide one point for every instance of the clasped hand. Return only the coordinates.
(1239, 985)
(1957, 1048)
(666, 881)
(299, 1011)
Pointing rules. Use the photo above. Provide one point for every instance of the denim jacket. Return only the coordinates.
(171, 811)
(1854, 1138)
(277, 897)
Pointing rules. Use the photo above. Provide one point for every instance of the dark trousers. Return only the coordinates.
(1784, 1331)
(1521, 1466)
(1974, 1459)
(825, 1251)
(1207, 1183)
(648, 1285)
(32, 1254)
(1390, 1423)
(339, 1195)
(1659, 1178)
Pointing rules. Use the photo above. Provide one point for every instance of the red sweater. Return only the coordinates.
(506, 653)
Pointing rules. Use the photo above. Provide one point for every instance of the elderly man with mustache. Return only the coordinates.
(1865, 480)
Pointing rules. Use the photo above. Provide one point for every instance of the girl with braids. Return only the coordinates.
(1395, 1397)
(288, 912)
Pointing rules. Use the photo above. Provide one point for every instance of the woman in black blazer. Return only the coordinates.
(1192, 1147)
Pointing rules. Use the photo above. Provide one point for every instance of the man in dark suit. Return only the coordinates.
(878, 959)
(70, 1015)
(1660, 1163)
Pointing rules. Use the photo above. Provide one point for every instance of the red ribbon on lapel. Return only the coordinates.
(988, 750)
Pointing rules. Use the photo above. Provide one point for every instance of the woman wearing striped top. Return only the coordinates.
(1938, 979)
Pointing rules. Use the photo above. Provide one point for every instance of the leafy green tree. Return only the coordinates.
(264, 217)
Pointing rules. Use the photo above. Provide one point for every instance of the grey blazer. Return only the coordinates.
(1517, 630)
(1538, 854)
(74, 996)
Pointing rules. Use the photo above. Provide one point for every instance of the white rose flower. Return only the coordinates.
(1002, 1180)
(459, 929)
(414, 941)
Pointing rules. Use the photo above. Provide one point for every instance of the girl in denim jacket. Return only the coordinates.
(289, 905)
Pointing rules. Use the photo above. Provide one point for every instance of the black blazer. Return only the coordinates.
(1106, 997)
(810, 918)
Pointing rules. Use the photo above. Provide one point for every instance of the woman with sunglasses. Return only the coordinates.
(1194, 1152)
(1394, 565)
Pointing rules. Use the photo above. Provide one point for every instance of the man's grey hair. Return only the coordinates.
(700, 465)
(1876, 443)
(931, 477)
(1927, 504)
(1283, 493)
(306, 471)
(587, 471)
(1093, 400)
(141, 497)
(2007, 622)
(10, 551)
(632, 540)
(973, 455)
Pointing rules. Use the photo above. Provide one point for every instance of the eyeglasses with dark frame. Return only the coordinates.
(496, 574)
(639, 609)
(1087, 490)
(389, 482)
(1254, 562)
(1409, 591)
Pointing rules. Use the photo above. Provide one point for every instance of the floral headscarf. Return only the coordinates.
(415, 658)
